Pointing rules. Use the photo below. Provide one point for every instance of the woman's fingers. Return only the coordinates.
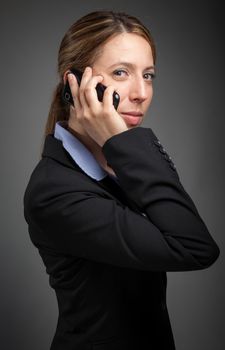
(87, 75)
(85, 96)
(99, 119)
(74, 87)
(88, 93)
(91, 95)
(108, 99)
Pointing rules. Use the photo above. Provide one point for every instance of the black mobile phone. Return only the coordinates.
(100, 88)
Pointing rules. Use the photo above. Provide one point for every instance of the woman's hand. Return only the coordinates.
(99, 119)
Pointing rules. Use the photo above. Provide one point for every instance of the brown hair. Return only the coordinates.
(80, 47)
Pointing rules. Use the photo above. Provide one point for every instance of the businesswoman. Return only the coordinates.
(105, 206)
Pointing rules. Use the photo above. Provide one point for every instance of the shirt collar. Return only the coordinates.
(80, 153)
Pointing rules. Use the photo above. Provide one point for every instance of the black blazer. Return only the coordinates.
(107, 246)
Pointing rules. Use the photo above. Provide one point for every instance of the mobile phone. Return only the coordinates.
(100, 88)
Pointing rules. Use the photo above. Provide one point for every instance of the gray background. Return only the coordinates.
(187, 114)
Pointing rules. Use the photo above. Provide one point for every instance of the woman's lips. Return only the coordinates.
(132, 119)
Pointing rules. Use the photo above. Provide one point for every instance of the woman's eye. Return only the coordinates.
(119, 72)
(149, 76)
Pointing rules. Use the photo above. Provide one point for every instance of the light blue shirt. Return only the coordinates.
(80, 153)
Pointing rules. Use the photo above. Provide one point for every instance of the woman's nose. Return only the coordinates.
(139, 91)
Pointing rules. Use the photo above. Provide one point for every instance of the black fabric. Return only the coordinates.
(107, 246)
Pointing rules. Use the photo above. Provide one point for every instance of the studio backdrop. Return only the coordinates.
(187, 114)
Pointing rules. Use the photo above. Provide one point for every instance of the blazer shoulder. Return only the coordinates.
(51, 179)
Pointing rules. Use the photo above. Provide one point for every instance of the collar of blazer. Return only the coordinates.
(79, 152)
(54, 149)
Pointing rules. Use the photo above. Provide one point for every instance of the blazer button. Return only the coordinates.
(172, 166)
(162, 150)
(157, 143)
(167, 157)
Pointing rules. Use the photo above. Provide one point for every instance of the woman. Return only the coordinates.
(105, 206)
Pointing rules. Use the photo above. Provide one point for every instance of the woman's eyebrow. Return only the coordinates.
(128, 64)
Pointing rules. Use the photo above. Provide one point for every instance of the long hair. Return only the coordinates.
(80, 47)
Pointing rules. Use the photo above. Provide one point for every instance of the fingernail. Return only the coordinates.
(70, 76)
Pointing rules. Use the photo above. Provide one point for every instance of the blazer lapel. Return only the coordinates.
(53, 149)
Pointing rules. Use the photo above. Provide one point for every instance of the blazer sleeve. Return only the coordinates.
(170, 236)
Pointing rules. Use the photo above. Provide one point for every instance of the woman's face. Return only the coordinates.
(126, 62)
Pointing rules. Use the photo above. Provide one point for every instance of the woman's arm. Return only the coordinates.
(70, 217)
(150, 180)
